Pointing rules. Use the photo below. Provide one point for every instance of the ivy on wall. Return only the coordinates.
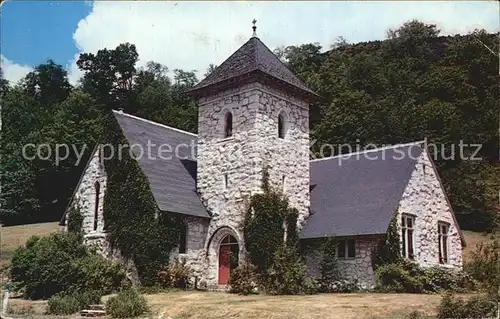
(75, 219)
(133, 221)
(264, 221)
(271, 240)
(388, 250)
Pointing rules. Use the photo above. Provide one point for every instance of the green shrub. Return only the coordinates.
(287, 275)
(176, 275)
(481, 306)
(127, 304)
(243, 279)
(437, 279)
(75, 219)
(95, 272)
(61, 262)
(61, 304)
(484, 266)
(328, 267)
(407, 276)
(394, 277)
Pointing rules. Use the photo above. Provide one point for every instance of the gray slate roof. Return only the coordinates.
(250, 57)
(356, 195)
(172, 181)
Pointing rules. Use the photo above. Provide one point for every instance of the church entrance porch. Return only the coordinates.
(228, 258)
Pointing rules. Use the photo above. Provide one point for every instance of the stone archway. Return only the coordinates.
(224, 251)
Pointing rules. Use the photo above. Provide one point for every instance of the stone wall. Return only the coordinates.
(425, 199)
(239, 159)
(195, 256)
(85, 195)
(358, 268)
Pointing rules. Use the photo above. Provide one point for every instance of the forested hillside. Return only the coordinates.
(414, 85)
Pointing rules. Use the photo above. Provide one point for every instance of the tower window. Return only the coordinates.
(281, 125)
(97, 187)
(226, 181)
(228, 124)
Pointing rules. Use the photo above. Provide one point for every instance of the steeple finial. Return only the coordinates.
(254, 28)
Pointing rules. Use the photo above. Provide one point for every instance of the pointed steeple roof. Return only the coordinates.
(253, 58)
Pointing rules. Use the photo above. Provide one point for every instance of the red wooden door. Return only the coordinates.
(224, 264)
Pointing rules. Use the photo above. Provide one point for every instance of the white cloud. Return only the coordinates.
(13, 72)
(191, 35)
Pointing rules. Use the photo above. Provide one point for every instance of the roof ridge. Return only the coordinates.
(154, 123)
(213, 74)
(283, 64)
(368, 151)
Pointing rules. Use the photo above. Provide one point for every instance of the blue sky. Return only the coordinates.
(191, 35)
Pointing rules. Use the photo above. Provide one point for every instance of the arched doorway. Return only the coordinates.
(228, 258)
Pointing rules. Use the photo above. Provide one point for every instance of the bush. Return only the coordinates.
(127, 304)
(395, 278)
(176, 275)
(61, 304)
(95, 272)
(328, 267)
(75, 219)
(484, 266)
(407, 276)
(481, 306)
(437, 279)
(243, 279)
(61, 262)
(287, 275)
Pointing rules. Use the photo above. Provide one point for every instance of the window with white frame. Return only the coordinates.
(443, 229)
(408, 236)
(346, 249)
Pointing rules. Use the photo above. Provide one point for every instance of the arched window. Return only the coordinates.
(183, 239)
(228, 124)
(97, 187)
(281, 125)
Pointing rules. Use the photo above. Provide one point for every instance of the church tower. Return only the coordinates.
(253, 113)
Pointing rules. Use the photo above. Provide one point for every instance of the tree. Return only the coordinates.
(414, 29)
(211, 68)
(328, 265)
(48, 83)
(109, 75)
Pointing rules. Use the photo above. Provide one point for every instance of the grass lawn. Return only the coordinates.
(212, 305)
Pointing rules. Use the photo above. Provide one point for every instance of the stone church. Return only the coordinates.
(254, 112)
